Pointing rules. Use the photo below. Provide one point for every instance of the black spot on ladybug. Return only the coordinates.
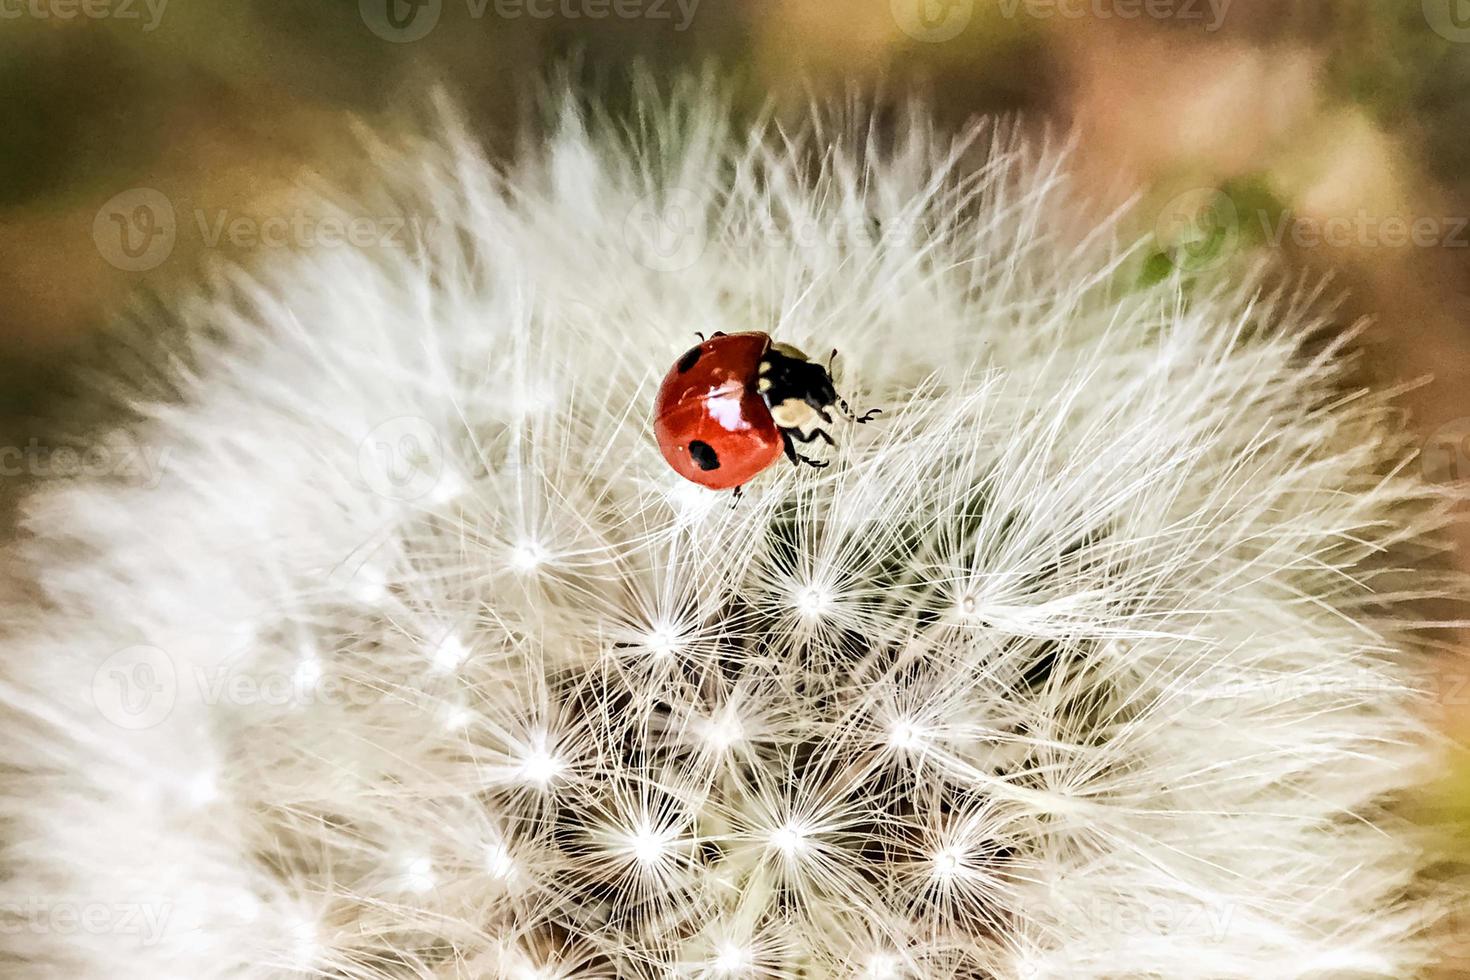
(687, 361)
(704, 455)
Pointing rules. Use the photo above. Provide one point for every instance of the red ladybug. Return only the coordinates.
(732, 404)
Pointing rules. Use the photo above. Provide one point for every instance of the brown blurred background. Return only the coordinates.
(1332, 133)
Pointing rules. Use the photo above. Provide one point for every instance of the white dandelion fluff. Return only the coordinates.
(1091, 657)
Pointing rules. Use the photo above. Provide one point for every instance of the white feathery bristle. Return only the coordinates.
(1090, 657)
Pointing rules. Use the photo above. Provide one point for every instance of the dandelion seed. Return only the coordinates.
(456, 717)
(733, 958)
(663, 641)
(905, 736)
(498, 862)
(527, 556)
(304, 947)
(790, 839)
(540, 768)
(723, 732)
(949, 863)
(813, 601)
(307, 674)
(649, 847)
(203, 788)
(448, 655)
(418, 875)
(447, 487)
(690, 501)
(369, 584)
(883, 966)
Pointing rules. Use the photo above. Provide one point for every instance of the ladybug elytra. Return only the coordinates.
(733, 403)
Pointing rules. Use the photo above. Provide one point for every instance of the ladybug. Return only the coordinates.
(733, 403)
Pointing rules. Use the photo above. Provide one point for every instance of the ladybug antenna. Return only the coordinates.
(842, 402)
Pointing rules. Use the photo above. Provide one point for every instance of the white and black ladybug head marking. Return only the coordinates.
(798, 391)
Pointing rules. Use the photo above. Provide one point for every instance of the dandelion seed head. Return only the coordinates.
(1112, 538)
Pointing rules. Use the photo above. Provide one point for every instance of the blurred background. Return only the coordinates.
(1334, 134)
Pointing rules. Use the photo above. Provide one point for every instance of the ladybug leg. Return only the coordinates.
(813, 435)
(797, 458)
(867, 416)
(702, 338)
(735, 497)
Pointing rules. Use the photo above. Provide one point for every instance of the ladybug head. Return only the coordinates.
(796, 389)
